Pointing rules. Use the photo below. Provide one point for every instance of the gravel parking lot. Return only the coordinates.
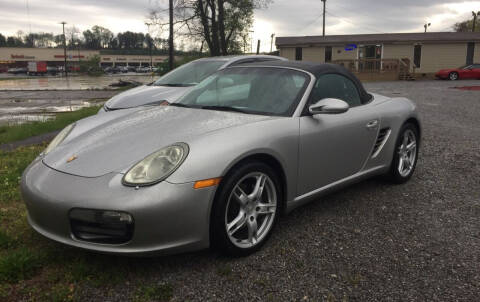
(370, 242)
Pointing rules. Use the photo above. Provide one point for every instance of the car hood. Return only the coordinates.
(116, 143)
(145, 94)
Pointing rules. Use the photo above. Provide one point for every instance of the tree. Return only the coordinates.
(71, 35)
(3, 41)
(91, 40)
(221, 24)
(466, 26)
(14, 42)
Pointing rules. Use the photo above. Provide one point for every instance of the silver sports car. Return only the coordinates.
(220, 166)
(178, 81)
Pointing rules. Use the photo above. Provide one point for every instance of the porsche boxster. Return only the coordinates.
(177, 82)
(218, 167)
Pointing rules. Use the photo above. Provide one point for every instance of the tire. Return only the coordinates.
(453, 76)
(401, 172)
(236, 209)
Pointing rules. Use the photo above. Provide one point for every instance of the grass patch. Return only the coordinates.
(14, 78)
(160, 292)
(12, 164)
(224, 270)
(19, 132)
(33, 268)
(18, 265)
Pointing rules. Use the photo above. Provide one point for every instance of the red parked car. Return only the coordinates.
(471, 71)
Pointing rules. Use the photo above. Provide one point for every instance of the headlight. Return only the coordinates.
(59, 138)
(157, 166)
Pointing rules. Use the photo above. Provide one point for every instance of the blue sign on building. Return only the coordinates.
(350, 47)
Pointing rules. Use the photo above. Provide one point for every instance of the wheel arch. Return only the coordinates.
(414, 121)
(271, 161)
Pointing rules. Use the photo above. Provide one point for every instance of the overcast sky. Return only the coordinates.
(282, 17)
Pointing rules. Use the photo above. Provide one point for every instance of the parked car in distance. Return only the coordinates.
(18, 70)
(178, 81)
(52, 70)
(123, 69)
(111, 69)
(219, 166)
(471, 71)
(143, 69)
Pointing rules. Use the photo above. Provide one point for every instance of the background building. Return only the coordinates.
(19, 57)
(402, 53)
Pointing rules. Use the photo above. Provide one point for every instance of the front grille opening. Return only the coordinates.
(101, 226)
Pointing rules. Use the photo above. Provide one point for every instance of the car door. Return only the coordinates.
(335, 146)
(467, 72)
(476, 71)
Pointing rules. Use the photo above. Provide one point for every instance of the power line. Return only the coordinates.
(350, 22)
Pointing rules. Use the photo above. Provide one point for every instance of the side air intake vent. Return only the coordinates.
(382, 138)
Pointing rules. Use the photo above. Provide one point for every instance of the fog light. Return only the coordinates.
(112, 216)
(101, 226)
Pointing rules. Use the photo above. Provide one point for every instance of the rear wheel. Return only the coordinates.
(246, 209)
(453, 76)
(406, 154)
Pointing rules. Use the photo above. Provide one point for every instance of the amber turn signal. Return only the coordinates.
(207, 183)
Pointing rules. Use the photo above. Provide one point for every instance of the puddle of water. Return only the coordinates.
(21, 115)
(15, 119)
(70, 83)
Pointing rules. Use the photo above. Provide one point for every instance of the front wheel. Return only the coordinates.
(406, 154)
(453, 76)
(246, 209)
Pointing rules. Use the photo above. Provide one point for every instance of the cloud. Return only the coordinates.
(282, 17)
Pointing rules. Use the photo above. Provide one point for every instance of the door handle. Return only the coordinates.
(372, 124)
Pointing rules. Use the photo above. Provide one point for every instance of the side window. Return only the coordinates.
(335, 86)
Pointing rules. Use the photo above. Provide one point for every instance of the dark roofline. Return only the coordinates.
(380, 38)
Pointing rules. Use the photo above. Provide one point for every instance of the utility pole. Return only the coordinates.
(64, 49)
(150, 45)
(170, 37)
(324, 10)
(475, 15)
(258, 47)
(426, 26)
(271, 42)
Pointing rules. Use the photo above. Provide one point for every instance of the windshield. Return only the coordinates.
(189, 74)
(257, 90)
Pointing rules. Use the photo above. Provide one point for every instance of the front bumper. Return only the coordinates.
(442, 76)
(169, 218)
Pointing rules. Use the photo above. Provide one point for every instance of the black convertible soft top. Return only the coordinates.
(317, 69)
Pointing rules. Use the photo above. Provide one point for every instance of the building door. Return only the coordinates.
(298, 54)
(417, 55)
(470, 52)
(328, 54)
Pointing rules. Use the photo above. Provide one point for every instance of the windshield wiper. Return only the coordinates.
(224, 108)
(176, 85)
(179, 105)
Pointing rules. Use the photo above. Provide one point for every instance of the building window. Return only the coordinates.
(417, 55)
(470, 52)
(298, 53)
(328, 54)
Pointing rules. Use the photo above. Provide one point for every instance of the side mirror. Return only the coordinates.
(329, 106)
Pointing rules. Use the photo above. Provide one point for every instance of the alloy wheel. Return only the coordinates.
(407, 153)
(251, 210)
